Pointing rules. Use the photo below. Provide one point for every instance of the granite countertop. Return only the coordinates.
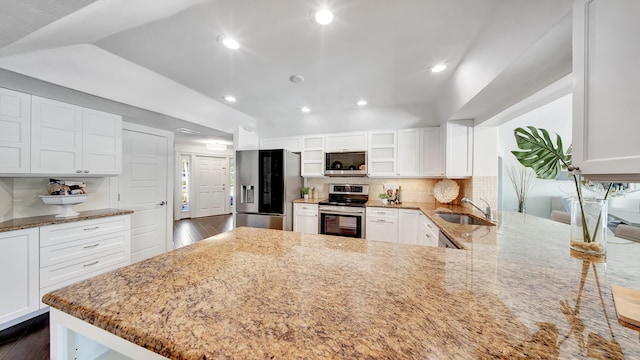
(307, 201)
(36, 221)
(257, 293)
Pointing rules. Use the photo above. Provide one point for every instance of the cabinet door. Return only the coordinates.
(459, 148)
(19, 268)
(56, 137)
(15, 132)
(428, 232)
(312, 157)
(102, 143)
(606, 88)
(382, 153)
(346, 142)
(408, 226)
(306, 218)
(289, 143)
(431, 152)
(409, 152)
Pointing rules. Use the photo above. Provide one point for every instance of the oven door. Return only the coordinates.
(342, 221)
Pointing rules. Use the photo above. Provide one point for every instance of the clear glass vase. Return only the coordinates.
(593, 238)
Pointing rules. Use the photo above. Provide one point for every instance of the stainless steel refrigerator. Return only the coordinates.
(267, 182)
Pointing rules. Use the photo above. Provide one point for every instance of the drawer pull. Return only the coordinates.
(91, 264)
(91, 228)
(429, 225)
(381, 212)
(380, 220)
(91, 246)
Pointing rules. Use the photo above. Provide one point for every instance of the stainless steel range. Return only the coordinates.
(343, 214)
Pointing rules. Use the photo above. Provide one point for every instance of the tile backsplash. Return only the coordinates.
(413, 190)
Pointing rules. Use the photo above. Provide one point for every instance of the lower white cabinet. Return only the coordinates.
(305, 218)
(19, 279)
(70, 252)
(427, 231)
(382, 224)
(408, 226)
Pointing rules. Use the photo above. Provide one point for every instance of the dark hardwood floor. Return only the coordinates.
(30, 339)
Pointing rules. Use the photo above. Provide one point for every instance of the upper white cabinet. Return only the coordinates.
(70, 140)
(431, 152)
(606, 88)
(345, 142)
(19, 280)
(459, 148)
(409, 152)
(15, 132)
(288, 143)
(312, 156)
(382, 153)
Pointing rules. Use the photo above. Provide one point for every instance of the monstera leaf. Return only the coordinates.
(540, 153)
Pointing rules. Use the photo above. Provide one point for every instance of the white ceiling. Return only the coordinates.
(163, 56)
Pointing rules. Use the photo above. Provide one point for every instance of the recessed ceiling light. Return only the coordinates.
(361, 102)
(324, 17)
(305, 109)
(186, 131)
(296, 79)
(229, 98)
(438, 68)
(229, 42)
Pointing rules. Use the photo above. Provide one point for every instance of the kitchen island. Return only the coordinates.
(516, 292)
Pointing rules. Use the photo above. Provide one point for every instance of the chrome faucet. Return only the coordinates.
(488, 212)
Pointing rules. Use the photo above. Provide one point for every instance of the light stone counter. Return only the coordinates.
(515, 293)
(37, 221)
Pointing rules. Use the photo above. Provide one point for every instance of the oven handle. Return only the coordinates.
(334, 212)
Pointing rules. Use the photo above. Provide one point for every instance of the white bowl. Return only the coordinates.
(67, 201)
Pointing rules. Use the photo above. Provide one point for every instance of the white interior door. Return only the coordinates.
(210, 179)
(143, 189)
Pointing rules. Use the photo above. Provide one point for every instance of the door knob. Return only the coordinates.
(162, 203)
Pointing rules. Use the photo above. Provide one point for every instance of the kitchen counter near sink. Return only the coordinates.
(257, 293)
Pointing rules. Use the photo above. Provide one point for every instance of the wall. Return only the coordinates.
(19, 196)
(485, 165)
(413, 190)
(556, 118)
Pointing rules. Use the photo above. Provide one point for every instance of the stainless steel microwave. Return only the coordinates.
(349, 163)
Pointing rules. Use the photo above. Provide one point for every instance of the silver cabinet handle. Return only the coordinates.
(91, 228)
(79, 171)
(91, 264)
(91, 246)
(162, 203)
(86, 171)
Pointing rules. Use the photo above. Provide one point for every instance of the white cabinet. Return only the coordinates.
(382, 224)
(427, 232)
(15, 132)
(345, 142)
(70, 252)
(606, 88)
(459, 148)
(382, 153)
(19, 269)
(288, 143)
(408, 226)
(312, 156)
(409, 153)
(431, 152)
(305, 218)
(70, 140)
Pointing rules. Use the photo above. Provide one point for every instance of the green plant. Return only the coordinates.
(305, 190)
(383, 195)
(538, 152)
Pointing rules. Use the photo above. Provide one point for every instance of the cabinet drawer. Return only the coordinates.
(304, 209)
(79, 249)
(84, 268)
(60, 233)
(382, 213)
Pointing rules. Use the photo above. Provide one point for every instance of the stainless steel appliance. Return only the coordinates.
(267, 182)
(353, 163)
(343, 214)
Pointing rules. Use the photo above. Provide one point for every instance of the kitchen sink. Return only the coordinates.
(464, 219)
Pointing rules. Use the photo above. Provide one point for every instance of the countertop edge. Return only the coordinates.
(37, 221)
